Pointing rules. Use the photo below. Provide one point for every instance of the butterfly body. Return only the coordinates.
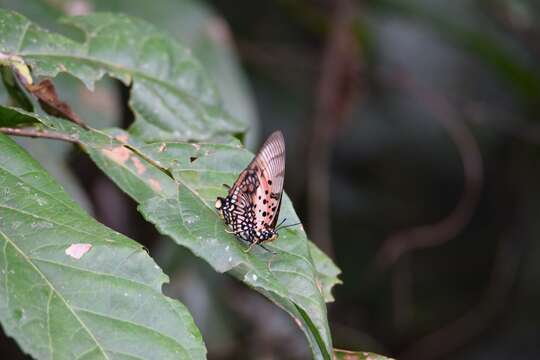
(251, 208)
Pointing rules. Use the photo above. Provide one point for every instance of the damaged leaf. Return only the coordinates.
(14, 90)
(174, 181)
(71, 287)
(44, 91)
(171, 96)
(178, 196)
(46, 94)
(77, 251)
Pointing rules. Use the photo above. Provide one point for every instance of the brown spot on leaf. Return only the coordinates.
(123, 138)
(77, 251)
(154, 184)
(139, 166)
(78, 7)
(119, 154)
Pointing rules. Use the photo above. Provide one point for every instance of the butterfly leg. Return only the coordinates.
(270, 261)
(226, 186)
(267, 249)
(249, 247)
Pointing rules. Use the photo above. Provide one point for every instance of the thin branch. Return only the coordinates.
(37, 133)
(336, 90)
(438, 233)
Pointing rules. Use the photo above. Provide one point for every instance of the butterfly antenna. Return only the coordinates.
(281, 223)
(286, 226)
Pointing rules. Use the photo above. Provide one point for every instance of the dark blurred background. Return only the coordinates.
(413, 143)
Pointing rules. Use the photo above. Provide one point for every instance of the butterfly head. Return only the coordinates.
(274, 236)
(219, 206)
(268, 235)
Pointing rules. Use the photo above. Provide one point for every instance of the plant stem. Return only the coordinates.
(35, 133)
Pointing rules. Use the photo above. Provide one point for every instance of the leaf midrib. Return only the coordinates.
(314, 328)
(120, 68)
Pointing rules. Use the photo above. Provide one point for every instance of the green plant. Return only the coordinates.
(71, 287)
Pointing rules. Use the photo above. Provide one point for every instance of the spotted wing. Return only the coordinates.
(269, 166)
(241, 216)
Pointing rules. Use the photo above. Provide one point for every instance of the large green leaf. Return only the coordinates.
(176, 185)
(206, 33)
(171, 95)
(72, 288)
(176, 182)
(183, 208)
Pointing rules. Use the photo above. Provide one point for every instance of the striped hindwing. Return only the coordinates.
(240, 215)
(269, 165)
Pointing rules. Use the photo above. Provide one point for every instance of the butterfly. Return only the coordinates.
(251, 208)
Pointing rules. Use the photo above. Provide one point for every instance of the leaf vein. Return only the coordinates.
(38, 271)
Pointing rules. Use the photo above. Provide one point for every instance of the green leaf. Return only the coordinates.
(72, 288)
(171, 96)
(176, 185)
(176, 182)
(10, 118)
(16, 94)
(327, 272)
(206, 33)
(184, 210)
(357, 355)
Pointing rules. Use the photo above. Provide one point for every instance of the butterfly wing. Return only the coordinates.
(256, 194)
(269, 165)
(240, 214)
